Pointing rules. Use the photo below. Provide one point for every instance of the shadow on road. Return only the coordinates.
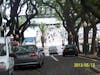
(26, 68)
(70, 56)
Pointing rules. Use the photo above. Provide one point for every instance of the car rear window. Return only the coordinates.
(52, 48)
(24, 48)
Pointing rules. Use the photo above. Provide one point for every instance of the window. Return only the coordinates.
(2, 49)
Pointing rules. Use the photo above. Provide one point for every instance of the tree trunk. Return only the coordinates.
(76, 41)
(93, 45)
(42, 41)
(70, 38)
(85, 43)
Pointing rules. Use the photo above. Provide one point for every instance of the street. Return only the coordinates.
(59, 65)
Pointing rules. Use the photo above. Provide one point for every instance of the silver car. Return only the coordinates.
(53, 50)
(28, 55)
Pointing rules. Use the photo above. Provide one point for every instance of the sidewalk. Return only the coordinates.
(97, 67)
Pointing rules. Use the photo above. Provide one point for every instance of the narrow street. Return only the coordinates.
(59, 65)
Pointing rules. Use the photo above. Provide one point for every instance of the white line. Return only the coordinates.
(54, 58)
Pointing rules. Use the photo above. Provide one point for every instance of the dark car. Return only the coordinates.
(28, 55)
(70, 50)
(53, 50)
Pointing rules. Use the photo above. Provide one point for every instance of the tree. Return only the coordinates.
(92, 7)
(69, 12)
(43, 28)
(16, 7)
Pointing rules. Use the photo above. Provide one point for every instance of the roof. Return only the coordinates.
(45, 20)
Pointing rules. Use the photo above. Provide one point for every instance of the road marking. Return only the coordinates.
(54, 58)
(88, 69)
(88, 58)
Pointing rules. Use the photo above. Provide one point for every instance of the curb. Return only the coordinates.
(97, 58)
(95, 69)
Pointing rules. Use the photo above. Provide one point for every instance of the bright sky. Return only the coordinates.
(30, 32)
(21, 13)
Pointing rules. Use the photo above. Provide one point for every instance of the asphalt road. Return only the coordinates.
(59, 65)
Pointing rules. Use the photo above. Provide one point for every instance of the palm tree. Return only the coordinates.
(43, 28)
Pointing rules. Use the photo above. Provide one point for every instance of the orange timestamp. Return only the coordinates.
(77, 65)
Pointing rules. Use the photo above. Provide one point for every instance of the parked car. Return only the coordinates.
(53, 50)
(28, 55)
(70, 50)
(6, 57)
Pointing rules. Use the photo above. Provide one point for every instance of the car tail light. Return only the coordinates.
(33, 54)
(2, 66)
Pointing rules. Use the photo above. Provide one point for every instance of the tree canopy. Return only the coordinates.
(73, 13)
(15, 8)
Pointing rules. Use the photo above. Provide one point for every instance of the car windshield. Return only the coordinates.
(52, 47)
(23, 49)
(70, 46)
(2, 49)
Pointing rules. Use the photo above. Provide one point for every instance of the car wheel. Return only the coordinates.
(15, 67)
(76, 54)
(10, 73)
(40, 64)
(63, 55)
